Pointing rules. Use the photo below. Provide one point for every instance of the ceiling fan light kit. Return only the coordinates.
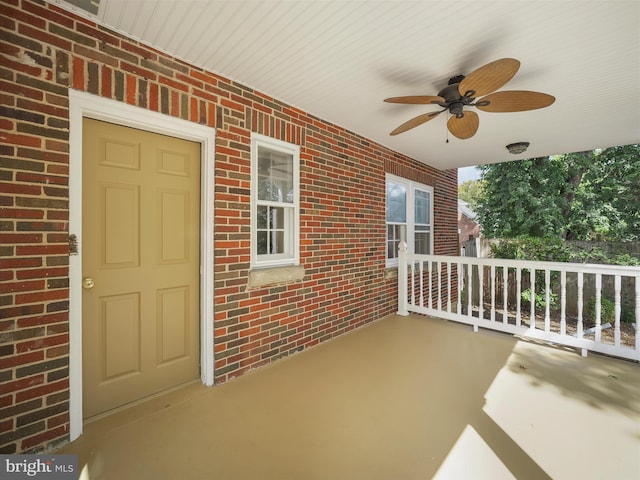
(518, 147)
(463, 92)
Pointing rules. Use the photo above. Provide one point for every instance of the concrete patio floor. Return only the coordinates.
(403, 398)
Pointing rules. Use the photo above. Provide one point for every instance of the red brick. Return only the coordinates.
(49, 14)
(106, 76)
(42, 320)
(56, 352)
(59, 432)
(56, 146)
(21, 384)
(137, 70)
(41, 391)
(22, 67)
(44, 37)
(21, 188)
(42, 296)
(18, 139)
(131, 89)
(154, 97)
(78, 73)
(20, 262)
(23, 286)
(7, 425)
(61, 419)
(41, 343)
(42, 250)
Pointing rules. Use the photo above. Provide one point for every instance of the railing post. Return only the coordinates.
(403, 308)
(618, 310)
(637, 309)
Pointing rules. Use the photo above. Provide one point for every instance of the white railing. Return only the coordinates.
(586, 306)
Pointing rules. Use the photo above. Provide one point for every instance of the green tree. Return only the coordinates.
(470, 191)
(612, 189)
(583, 195)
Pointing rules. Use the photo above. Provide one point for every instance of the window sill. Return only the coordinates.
(276, 275)
(391, 272)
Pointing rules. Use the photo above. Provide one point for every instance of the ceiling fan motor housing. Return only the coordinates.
(454, 101)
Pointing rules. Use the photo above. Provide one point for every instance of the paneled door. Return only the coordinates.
(140, 260)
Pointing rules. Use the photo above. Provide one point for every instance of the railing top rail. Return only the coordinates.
(604, 269)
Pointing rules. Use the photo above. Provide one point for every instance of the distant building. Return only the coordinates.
(468, 228)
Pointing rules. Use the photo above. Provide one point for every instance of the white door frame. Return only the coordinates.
(81, 105)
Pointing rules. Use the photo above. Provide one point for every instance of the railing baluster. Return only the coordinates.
(505, 294)
(430, 281)
(403, 308)
(460, 289)
(413, 283)
(518, 296)
(579, 327)
(637, 304)
(439, 285)
(469, 290)
(617, 310)
(448, 287)
(493, 293)
(532, 302)
(421, 273)
(598, 308)
(563, 303)
(480, 292)
(547, 300)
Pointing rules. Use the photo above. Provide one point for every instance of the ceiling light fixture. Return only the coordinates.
(518, 147)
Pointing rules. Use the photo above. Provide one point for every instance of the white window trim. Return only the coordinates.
(411, 187)
(293, 256)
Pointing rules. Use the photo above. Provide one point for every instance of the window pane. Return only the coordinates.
(423, 243)
(263, 213)
(395, 234)
(396, 202)
(263, 244)
(276, 217)
(422, 202)
(277, 242)
(275, 176)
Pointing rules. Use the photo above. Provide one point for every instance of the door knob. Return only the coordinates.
(88, 283)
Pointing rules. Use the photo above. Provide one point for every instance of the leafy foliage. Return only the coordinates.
(556, 250)
(553, 249)
(470, 191)
(607, 310)
(550, 249)
(540, 298)
(581, 196)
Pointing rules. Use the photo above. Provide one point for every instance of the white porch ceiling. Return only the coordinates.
(338, 60)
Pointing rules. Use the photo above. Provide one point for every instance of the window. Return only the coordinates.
(275, 171)
(409, 217)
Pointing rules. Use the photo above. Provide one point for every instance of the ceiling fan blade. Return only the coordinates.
(464, 127)
(414, 122)
(515, 101)
(489, 78)
(416, 99)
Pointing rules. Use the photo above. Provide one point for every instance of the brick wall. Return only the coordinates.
(468, 229)
(46, 51)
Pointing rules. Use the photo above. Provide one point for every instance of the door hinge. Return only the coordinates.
(73, 244)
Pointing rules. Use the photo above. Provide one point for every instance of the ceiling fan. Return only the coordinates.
(463, 92)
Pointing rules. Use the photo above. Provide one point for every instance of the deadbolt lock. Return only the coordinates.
(88, 283)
